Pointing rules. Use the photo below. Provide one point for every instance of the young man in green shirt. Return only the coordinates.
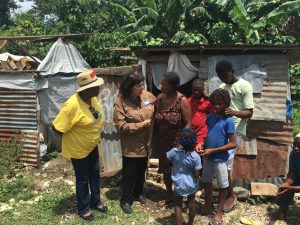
(291, 185)
(241, 108)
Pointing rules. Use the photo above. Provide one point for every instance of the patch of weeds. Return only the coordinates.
(257, 200)
(296, 120)
(54, 206)
(11, 150)
(19, 189)
(50, 155)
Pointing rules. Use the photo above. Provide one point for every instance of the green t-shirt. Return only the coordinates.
(294, 163)
(241, 98)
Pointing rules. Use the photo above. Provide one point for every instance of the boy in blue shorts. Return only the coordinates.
(185, 172)
(220, 138)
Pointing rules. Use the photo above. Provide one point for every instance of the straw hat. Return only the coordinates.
(88, 79)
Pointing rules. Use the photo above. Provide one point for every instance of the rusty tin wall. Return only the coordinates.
(271, 104)
(19, 115)
(268, 125)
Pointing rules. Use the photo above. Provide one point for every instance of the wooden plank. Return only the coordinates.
(120, 49)
(43, 37)
(129, 58)
(154, 162)
(263, 189)
(243, 48)
(116, 71)
(12, 64)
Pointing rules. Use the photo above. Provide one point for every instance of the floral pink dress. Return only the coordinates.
(169, 124)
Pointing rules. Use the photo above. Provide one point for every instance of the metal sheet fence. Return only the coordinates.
(110, 148)
(19, 115)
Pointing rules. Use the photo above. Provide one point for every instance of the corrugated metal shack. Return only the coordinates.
(264, 152)
(19, 105)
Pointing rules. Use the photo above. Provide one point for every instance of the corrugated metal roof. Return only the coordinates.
(19, 114)
(292, 51)
(260, 47)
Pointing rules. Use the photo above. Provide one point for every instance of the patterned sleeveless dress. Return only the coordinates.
(169, 124)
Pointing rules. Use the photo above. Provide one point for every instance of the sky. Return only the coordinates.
(25, 6)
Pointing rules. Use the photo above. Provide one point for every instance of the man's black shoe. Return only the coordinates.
(142, 199)
(126, 208)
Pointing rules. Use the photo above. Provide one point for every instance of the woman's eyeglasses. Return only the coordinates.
(94, 112)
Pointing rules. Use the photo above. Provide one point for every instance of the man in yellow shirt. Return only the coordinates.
(79, 122)
(241, 108)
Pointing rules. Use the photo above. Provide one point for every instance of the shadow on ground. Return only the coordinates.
(65, 205)
(292, 215)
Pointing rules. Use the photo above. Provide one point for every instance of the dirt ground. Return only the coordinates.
(60, 170)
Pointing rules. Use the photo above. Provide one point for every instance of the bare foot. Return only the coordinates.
(281, 216)
(230, 203)
(216, 221)
(218, 218)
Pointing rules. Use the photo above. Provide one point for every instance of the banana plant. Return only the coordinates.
(246, 15)
(141, 17)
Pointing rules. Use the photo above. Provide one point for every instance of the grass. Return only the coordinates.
(19, 189)
(58, 206)
(9, 154)
(296, 120)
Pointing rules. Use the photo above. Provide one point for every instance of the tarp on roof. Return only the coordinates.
(18, 72)
(63, 57)
(22, 81)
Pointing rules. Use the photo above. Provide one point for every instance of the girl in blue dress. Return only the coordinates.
(185, 172)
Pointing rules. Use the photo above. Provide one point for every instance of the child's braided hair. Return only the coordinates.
(220, 94)
(187, 139)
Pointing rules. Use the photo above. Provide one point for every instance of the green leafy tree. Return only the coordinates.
(5, 8)
(254, 19)
(155, 22)
(147, 21)
(70, 16)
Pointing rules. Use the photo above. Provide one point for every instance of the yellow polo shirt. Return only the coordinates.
(81, 131)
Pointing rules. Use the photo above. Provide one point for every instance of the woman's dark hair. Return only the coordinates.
(128, 83)
(223, 66)
(187, 138)
(172, 78)
(220, 95)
